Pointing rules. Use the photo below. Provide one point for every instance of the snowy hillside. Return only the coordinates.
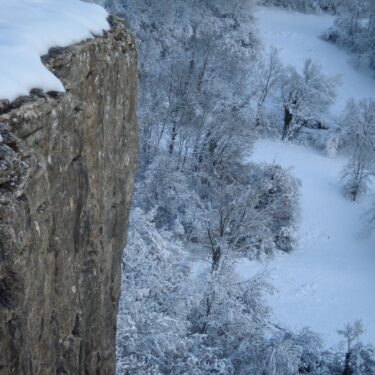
(208, 91)
(28, 28)
(329, 280)
(297, 37)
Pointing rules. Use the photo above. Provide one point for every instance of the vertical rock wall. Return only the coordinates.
(67, 164)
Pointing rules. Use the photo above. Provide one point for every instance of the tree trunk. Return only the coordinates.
(173, 138)
(259, 115)
(288, 117)
(216, 256)
(348, 368)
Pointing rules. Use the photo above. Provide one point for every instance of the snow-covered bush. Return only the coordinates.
(278, 199)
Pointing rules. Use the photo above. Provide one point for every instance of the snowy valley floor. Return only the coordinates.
(329, 279)
(297, 37)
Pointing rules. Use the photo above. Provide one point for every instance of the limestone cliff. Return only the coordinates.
(67, 164)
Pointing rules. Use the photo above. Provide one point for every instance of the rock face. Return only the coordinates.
(67, 164)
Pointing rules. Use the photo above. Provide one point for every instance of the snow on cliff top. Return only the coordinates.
(29, 28)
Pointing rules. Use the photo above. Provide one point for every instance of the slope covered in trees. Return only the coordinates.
(209, 87)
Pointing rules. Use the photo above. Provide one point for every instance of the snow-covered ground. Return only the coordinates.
(297, 37)
(329, 279)
(28, 28)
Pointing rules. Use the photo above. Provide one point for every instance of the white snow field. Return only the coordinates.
(329, 280)
(297, 37)
(28, 28)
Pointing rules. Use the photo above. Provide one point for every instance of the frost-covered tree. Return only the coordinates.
(278, 198)
(150, 327)
(266, 76)
(351, 334)
(354, 29)
(305, 97)
(230, 310)
(250, 212)
(192, 68)
(359, 358)
(307, 6)
(231, 218)
(169, 324)
(359, 124)
(289, 353)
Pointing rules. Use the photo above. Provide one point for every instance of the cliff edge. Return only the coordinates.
(67, 164)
